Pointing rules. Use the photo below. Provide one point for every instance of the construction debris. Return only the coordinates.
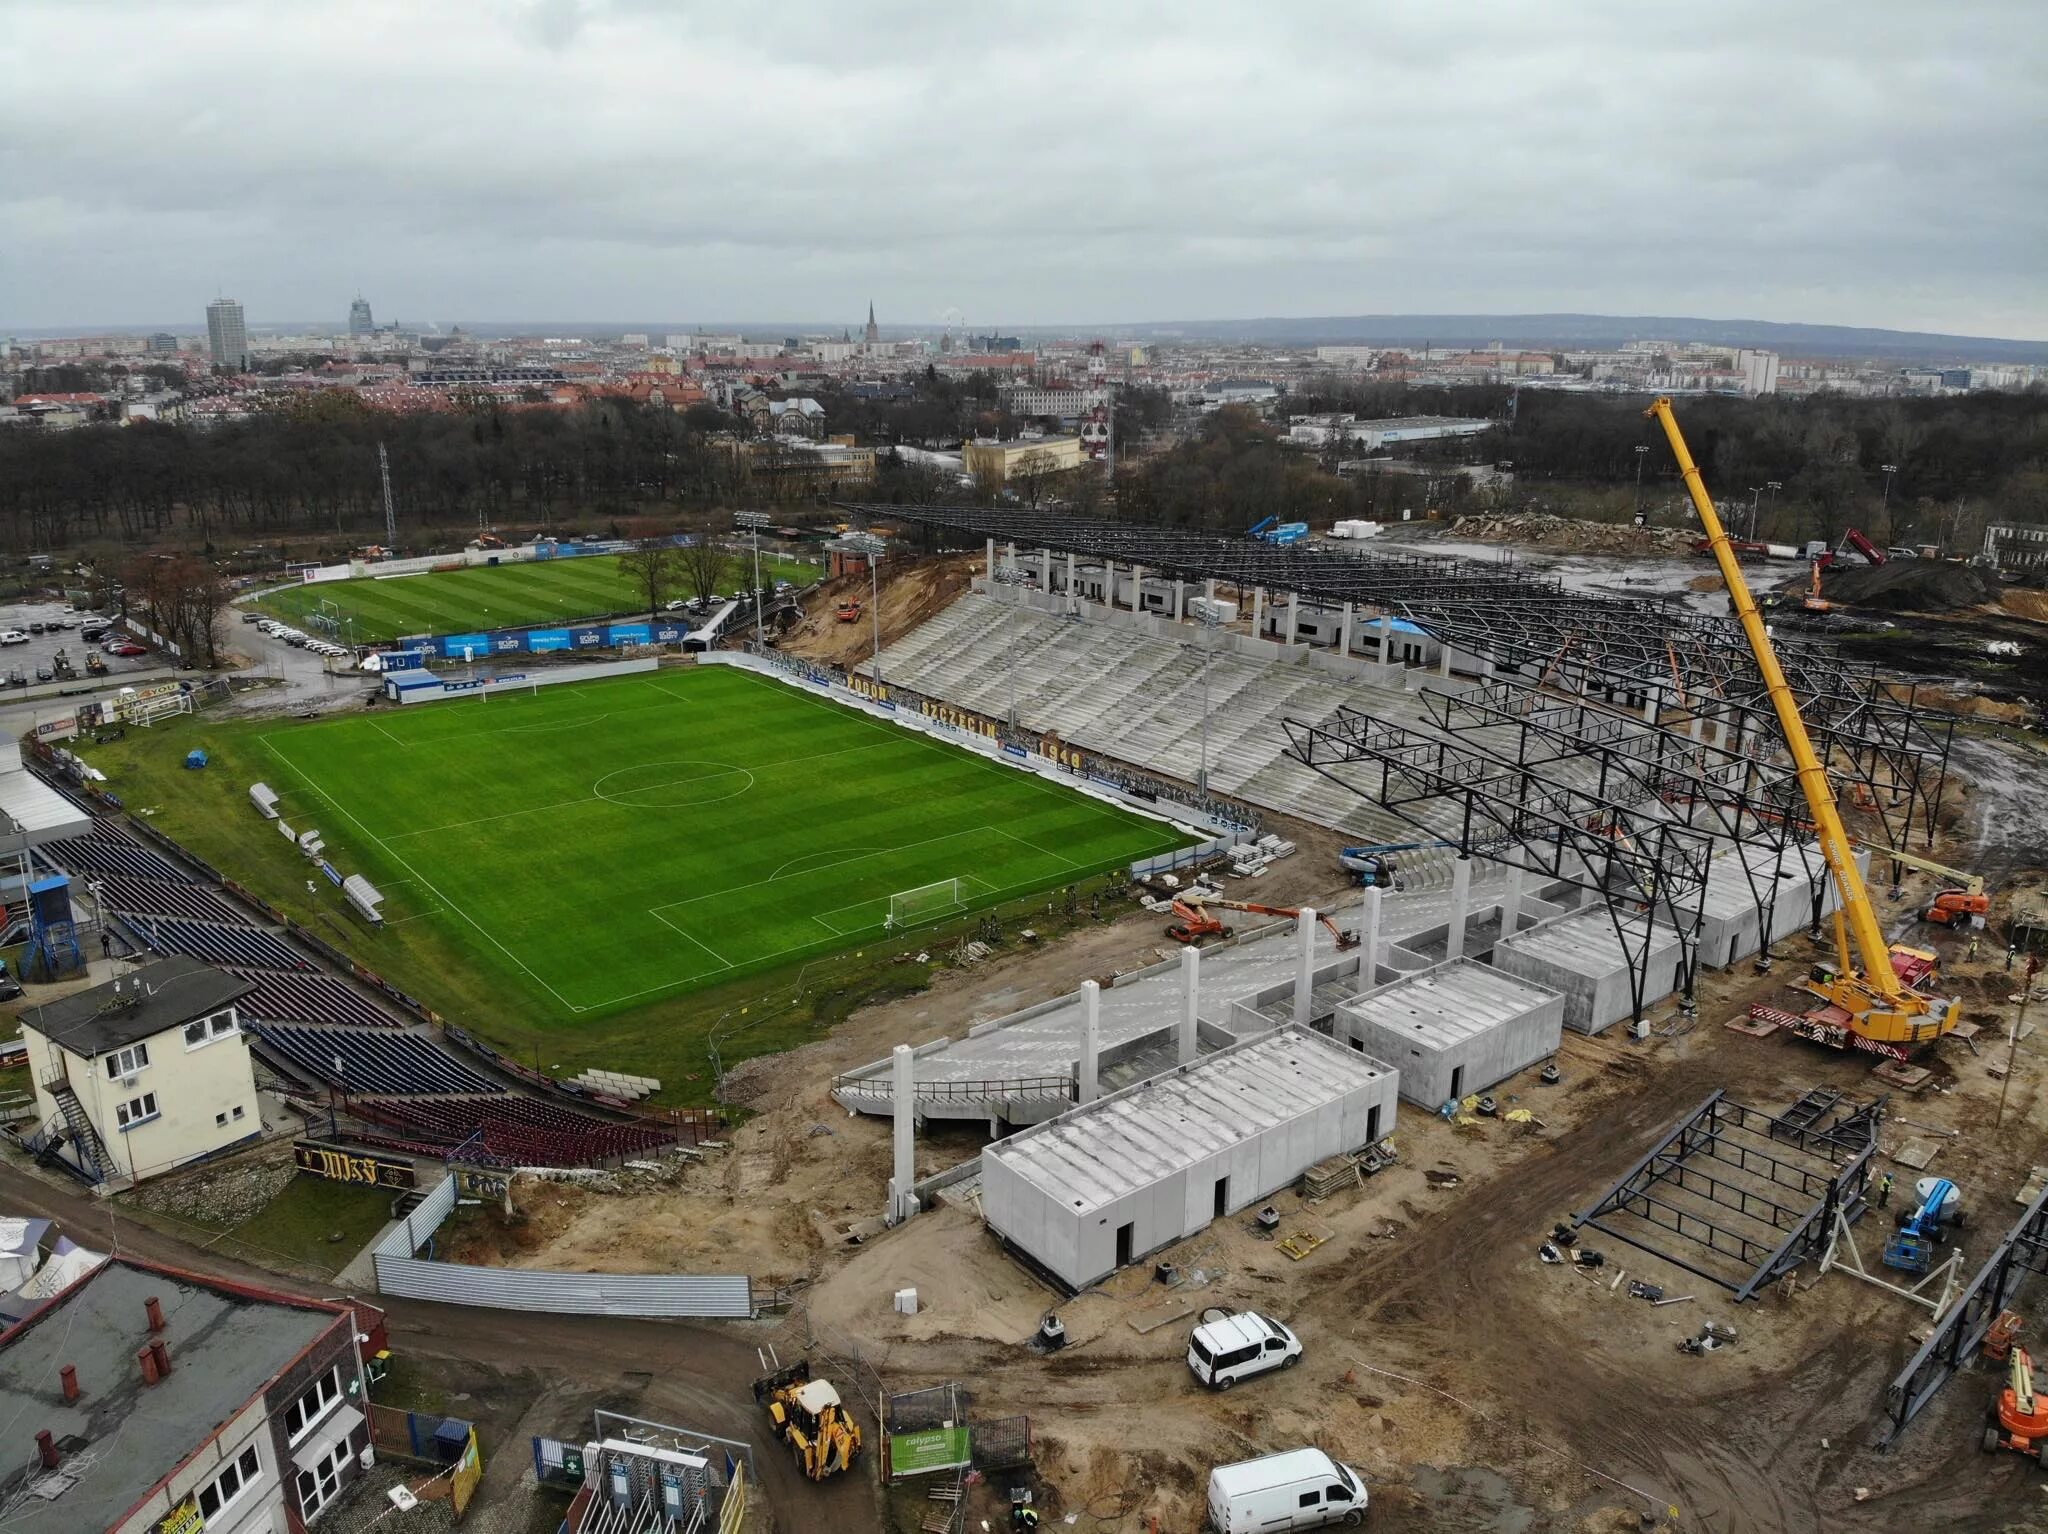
(1543, 531)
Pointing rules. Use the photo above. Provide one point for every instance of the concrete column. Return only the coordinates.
(1258, 611)
(1010, 555)
(1305, 965)
(1293, 616)
(1461, 905)
(1137, 588)
(1045, 569)
(1109, 584)
(1091, 1040)
(1190, 1003)
(1072, 590)
(1344, 631)
(1650, 707)
(1443, 661)
(990, 568)
(1209, 588)
(1180, 602)
(1369, 935)
(1511, 902)
(903, 1093)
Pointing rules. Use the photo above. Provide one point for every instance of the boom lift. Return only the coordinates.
(2019, 1418)
(1873, 1006)
(1193, 922)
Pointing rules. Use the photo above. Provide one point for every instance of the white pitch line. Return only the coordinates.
(655, 912)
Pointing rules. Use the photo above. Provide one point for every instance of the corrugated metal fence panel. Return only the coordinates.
(407, 1237)
(584, 1294)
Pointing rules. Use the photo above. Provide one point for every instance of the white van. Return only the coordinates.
(1235, 1348)
(1301, 1489)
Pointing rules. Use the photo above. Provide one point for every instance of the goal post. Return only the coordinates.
(928, 902)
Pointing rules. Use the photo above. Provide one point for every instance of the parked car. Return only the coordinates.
(45, 674)
(13, 636)
(1300, 1489)
(35, 628)
(127, 647)
(249, 617)
(1220, 1353)
(93, 633)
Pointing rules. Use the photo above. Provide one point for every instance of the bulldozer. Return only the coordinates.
(808, 1415)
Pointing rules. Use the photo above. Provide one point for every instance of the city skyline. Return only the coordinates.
(1220, 167)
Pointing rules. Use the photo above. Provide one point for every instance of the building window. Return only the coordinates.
(226, 1488)
(318, 1485)
(238, 1110)
(137, 1110)
(126, 1062)
(202, 1031)
(308, 1409)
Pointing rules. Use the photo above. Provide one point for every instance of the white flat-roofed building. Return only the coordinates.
(1453, 1030)
(1102, 1185)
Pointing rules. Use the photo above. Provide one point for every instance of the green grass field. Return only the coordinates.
(595, 846)
(492, 596)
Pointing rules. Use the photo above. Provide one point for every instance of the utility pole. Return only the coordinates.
(2013, 1048)
(390, 515)
(753, 521)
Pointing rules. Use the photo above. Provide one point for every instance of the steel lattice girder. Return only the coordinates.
(1660, 860)
(1959, 1334)
(1705, 1135)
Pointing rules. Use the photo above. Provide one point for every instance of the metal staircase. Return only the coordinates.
(90, 1150)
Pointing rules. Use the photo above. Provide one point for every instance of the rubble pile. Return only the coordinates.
(1568, 535)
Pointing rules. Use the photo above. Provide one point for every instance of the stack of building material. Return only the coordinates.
(1330, 1177)
(617, 1084)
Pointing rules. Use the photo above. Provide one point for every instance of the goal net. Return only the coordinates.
(927, 902)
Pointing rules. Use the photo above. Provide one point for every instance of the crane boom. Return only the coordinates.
(1879, 1004)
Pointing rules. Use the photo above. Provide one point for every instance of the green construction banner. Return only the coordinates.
(939, 1448)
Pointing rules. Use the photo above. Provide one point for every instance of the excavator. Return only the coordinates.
(1813, 601)
(2019, 1418)
(1867, 1004)
(1192, 921)
(808, 1415)
(848, 611)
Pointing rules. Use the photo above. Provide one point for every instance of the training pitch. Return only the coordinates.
(482, 597)
(600, 845)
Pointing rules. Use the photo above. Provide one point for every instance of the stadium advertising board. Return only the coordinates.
(507, 642)
(341, 1166)
(669, 633)
(588, 638)
(540, 641)
(629, 633)
(462, 646)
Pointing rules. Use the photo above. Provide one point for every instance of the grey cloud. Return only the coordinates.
(1024, 164)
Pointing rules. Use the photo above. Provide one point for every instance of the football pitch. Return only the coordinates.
(494, 596)
(600, 845)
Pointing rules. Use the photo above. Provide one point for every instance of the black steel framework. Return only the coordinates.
(1652, 654)
(1833, 1175)
(1959, 1334)
(1630, 854)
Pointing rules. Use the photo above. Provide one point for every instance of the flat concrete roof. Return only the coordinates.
(1449, 1004)
(1097, 1153)
(122, 1436)
(1584, 941)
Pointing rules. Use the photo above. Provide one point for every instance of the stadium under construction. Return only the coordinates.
(1595, 788)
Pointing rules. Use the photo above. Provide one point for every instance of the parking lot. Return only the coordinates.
(20, 663)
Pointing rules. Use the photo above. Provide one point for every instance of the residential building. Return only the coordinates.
(359, 321)
(1759, 371)
(999, 463)
(2011, 546)
(145, 1073)
(797, 418)
(1348, 356)
(227, 335)
(1025, 399)
(163, 344)
(153, 1401)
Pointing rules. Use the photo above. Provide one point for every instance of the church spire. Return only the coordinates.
(874, 331)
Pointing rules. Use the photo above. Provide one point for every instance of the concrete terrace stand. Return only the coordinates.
(1454, 1030)
(1109, 1182)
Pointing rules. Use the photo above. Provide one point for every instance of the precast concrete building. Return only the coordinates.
(1583, 957)
(1108, 1182)
(1454, 1029)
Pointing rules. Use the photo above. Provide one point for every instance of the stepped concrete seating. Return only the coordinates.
(375, 1061)
(104, 852)
(246, 947)
(160, 897)
(314, 998)
(516, 1131)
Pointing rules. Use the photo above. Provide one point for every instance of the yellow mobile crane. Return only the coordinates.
(1878, 1009)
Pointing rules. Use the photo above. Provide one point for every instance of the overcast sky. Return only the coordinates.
(1881, 163)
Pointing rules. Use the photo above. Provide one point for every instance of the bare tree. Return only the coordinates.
(654, 566)
(704, 565)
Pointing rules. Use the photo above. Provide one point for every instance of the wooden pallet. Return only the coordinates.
(1330, 1177)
